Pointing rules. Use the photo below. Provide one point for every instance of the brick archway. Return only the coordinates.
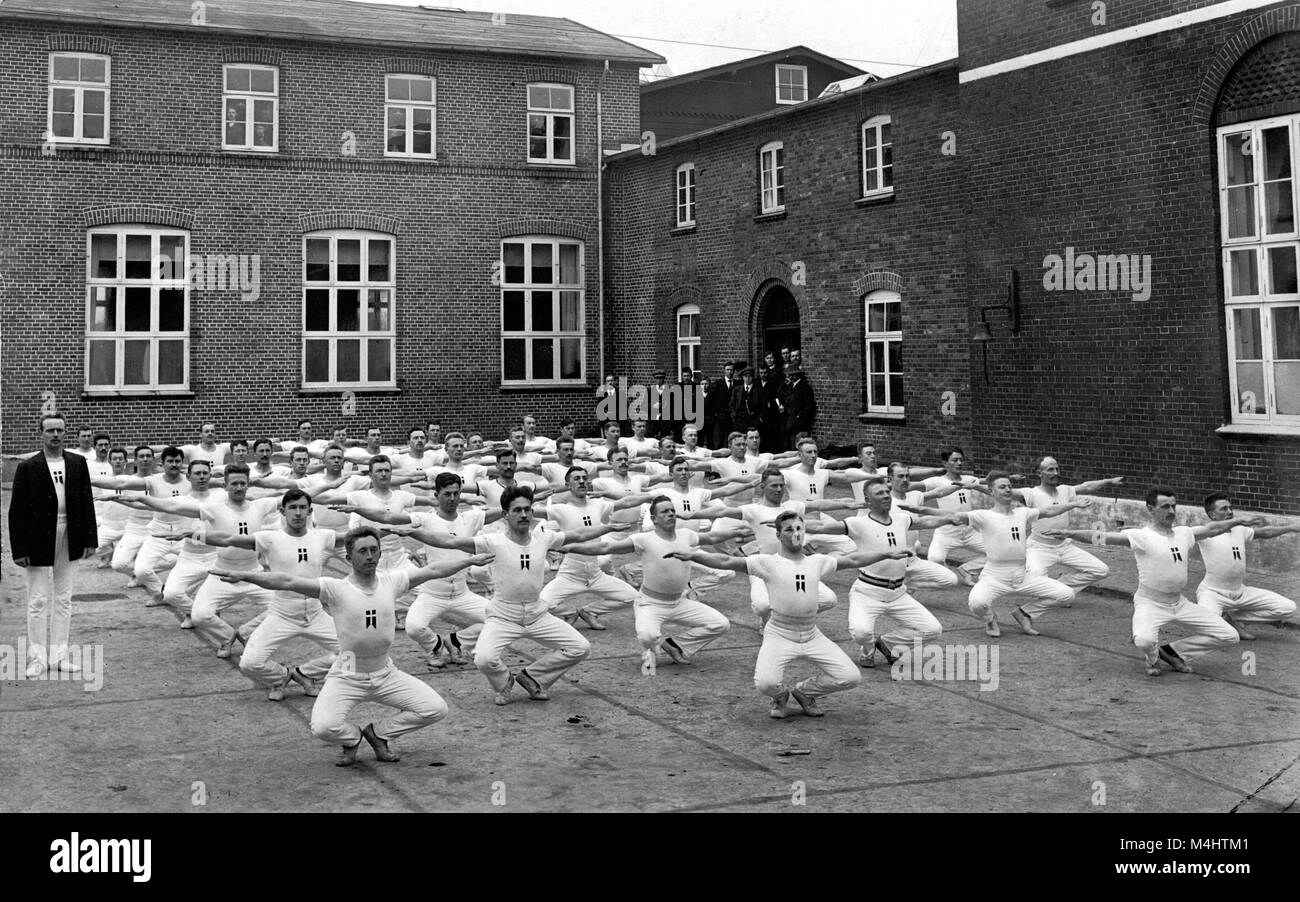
(1262, 27)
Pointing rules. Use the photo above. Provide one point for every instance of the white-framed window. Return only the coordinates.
(686, 195)
(79, 95)
(550, 123)
(877, 157)
(884, 351)
(1260, 246)
(349, 309)
(771, 167)
(137, 309)
(251, 107)
(411, 116)
(688, 337)
(791, 84)
(543, 337)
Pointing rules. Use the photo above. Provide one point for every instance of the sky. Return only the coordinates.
(885, 37)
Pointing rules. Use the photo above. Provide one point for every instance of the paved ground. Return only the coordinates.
(1073, 725)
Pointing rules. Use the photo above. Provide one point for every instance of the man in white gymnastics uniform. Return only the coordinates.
(958, 493)
(516, 611)
(298, 550)
(806, 479)
(662, 600)
(136, 529)
(788, 609)
(207, 448)
(688, 502)
(921, 573)
(1004, 531)
(111, 518)
(1083, 569)
(1224, 589)
(580, 575)
(1162, 551)
(365, 617)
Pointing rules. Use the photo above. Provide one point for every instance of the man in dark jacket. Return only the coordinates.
(51, 525)
(798, 406)
(747, 404)
(717, 406)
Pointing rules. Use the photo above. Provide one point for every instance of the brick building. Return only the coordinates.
(241, 211)
(1124, 176)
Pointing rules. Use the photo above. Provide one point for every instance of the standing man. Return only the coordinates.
(363, 608)
(769, 418)
(1162, 550)
(51, 525)
(658, 407)
(747, 402)
(798, 406)
(718, 406)
(1223, 589)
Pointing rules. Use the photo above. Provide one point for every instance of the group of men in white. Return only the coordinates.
(334, 539)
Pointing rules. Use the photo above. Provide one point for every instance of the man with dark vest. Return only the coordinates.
(748, 404)
(717, 406)
(798, 406)
(51, 525)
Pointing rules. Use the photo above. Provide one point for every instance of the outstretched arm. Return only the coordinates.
(186, 507)
(1097, 486)
(1272, 532)
(230, 540)
(275, 581)
(600, 546)
(374, 514)
(1222, 526)
(867, 558)
(447, 568)
(949, 519)
(1058, 509)
(116, 482)
(712, 559)
(454, 543)
(1084, 535)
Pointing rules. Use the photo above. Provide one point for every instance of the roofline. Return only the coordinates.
(644, 59)
(923, 72)
(749, 61)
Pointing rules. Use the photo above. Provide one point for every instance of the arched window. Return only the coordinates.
(883, 347)
(688, 337)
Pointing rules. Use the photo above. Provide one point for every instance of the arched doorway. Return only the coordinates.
(779, 325)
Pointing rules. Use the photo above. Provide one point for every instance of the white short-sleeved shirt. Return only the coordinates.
(1006, 536)
(958, 502)
(216, 457)
(869, 534)
(664, 576)
(1038, 498)
(635, 485)
(685, 503)
(302, 556)
(638, 446)
(554, 472)
(1161, 559)
(321, 515)
(254, 516)
(729, 468)
(365, 619)
(860, 478)
(157, 486)
(466, 524)
(469, 473)
(808, 486)
(793, 591)
(396, 502)
(571, 516)
(518, 572)
(756, 515)
(912, 499)
(1225, 558)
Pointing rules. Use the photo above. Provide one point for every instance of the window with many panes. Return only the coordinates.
(688, 337)
(349, 310)
(884, 351)
(686, 195)
(542, 334)
(791, 84)
(79, 93)
(1260, 244)
(771, 166)
(251, 103)
(877, 157)
(550, 123)
(411, 116)
(137, 310)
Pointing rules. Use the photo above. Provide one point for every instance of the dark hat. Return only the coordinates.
(658, 373)
(747, 371)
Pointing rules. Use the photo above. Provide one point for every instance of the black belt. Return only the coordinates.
(881, 583)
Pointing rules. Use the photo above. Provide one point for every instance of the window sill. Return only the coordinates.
(546, 386)
(80, 145)
(137, 393)
(884, 197)
(558, 164)
(247, 152)
(683, 230)
(1259, 429)
(771, 216)
(355, 389)
(872, 416)
(399, 158)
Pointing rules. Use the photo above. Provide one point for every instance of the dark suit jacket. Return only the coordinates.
(747, 409)
(717, 403)
(34, 510)
(800, 406)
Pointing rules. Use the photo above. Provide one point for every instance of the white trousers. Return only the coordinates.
(948, 538)
(153, 561)
(186, 578)
(548, 630)
(611, 594)
(418, 703)
(465, 611)
(49, 604)
(702, 623)
(1249, 604)
(868, 603)
(215, 596)
(1149, 615)
(128, 547)
(1003, 583)
(1085, 570)
(924, 574)
(273, 632)
(838, 672)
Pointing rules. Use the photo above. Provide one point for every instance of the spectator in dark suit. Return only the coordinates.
(51, 525)
(775, 371)
(717, 406)
(684, 405)
(747, 404)
(657, 425)
(769, 418)
(798, 406)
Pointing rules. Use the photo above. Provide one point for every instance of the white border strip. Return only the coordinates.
(1146, 29)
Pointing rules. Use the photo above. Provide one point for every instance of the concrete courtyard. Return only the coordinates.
(1072, 725)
